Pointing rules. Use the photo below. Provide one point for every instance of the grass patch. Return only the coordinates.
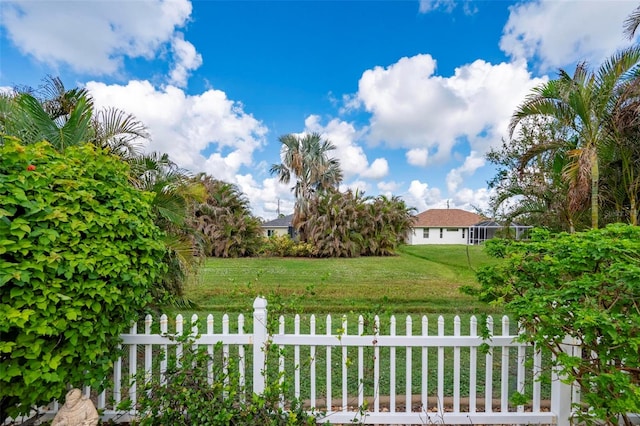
(421, 279)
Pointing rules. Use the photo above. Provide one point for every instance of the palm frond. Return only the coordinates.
(631, 24)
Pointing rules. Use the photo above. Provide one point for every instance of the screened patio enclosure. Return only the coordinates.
(483, 231)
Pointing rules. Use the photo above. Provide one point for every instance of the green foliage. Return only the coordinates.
(79, 255)
(586, 287)
(349, 225)
(203, 390)
(174, 192)
(284, 246)
(224, 220)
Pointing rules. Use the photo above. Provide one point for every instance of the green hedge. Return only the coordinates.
(79, 253)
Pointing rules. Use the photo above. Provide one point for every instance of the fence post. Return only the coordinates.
(259, 344)
(561, 392)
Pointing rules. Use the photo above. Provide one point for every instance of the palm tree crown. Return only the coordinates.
(306, 159)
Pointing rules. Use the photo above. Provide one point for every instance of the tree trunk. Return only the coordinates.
(595, 177)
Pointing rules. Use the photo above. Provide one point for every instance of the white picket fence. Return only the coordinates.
(425, 380)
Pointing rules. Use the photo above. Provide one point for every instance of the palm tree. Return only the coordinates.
(173, 193)
(582, 104)
(388, 220)
(333, 223)
(68, 117)
(529, 185)
(623, 179)
(306, 159)
(26, 117)
(224, 221)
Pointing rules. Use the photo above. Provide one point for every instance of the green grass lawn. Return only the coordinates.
(421, 279)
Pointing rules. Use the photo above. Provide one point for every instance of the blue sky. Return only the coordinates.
(412, 93)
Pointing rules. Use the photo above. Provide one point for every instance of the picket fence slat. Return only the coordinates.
(504, 376)
(430, 388)
(409, 369)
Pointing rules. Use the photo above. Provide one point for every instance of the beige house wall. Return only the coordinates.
(275, 231)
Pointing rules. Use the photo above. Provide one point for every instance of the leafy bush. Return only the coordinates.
(200, 390)
(284, 246)
(584, 286)
(79, 254)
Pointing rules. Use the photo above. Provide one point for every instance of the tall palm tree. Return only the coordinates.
(306, 159)
(582, 103)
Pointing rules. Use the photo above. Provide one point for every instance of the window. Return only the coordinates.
(452, 229)
(463, 232)
(441, 230)
(425, 232)
(270, 232)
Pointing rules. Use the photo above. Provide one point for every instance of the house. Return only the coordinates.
(443, 226)
(279, 226)
(455, 226)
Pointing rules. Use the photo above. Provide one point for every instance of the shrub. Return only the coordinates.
(585, 286)
(200, 390)
(79, 254)
(284, 246)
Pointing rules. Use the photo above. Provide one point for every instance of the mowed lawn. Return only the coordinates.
(420, 279)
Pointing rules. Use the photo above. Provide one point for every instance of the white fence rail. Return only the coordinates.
(355, 374)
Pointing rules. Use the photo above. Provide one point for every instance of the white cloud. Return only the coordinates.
(418, 157)
(414, 108)
(470, 199)
(202, 133)
(421, 196)
(456, 176)
(266, 197)
(448, 6)
(388, 187)
(377, 170)
(352, 157)
(186, 60)
(431, 5)
(94, 37)
(561, 33)
(357, 185)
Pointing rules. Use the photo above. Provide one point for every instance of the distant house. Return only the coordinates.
(443, 226)
(279, 226)
(455, 226)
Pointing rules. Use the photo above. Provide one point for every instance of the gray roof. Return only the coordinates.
(281, 222)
